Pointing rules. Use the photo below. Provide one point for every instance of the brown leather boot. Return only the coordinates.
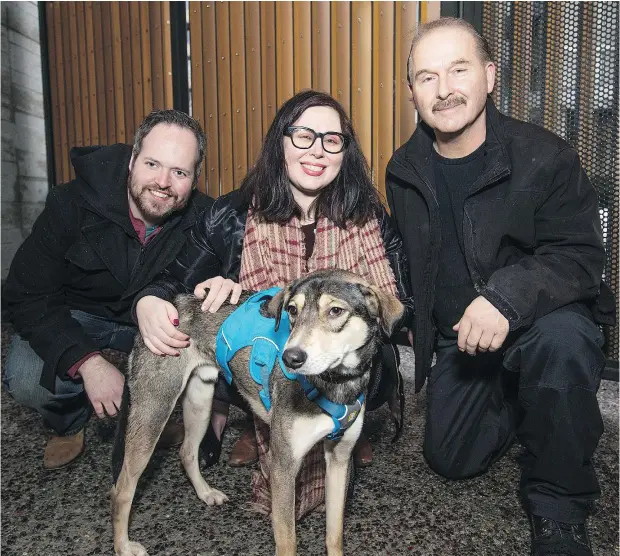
(362, 453)
(62, 450)
(244, 451)
(172, 435)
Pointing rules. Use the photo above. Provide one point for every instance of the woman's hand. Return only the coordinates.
(157, 320)
(219, 289)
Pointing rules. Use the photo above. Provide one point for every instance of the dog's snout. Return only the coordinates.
(294, 357)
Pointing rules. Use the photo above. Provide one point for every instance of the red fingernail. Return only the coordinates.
(175, 322)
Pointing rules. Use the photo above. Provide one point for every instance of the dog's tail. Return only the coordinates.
(118, 451)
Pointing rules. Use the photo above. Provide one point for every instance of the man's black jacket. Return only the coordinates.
(83, 253)
(216, 243)
(531, 227)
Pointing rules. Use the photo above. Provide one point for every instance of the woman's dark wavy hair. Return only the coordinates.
(350, 197)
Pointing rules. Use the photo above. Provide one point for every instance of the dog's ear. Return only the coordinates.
(273, 308)
(388, 310)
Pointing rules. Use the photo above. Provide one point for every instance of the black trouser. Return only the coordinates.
(540, 387)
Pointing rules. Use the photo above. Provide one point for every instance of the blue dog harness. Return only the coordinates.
(247, 327)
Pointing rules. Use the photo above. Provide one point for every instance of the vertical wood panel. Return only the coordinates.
(302, 40)
(404, 31)
(198, 69)
(157, 56)
(147, 89)
(284, 51)
(91, 66)
(136, 68)
(321, 47)
(209, 56)
(99, 66)
(167, 55)
(117, 57)
(83, 72)
(361, 74)
(341, 53)
(127, 56)
(430, 11)
(238, 85)
(253, 70)
(108, 61)
(222, 20)
(268, 63)
(383, 125)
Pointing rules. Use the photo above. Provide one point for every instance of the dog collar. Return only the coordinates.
(343, 415)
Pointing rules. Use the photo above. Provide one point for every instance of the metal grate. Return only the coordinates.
(557, 66)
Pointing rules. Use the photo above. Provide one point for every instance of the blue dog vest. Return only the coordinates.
(247, 327)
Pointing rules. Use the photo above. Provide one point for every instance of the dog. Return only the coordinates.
(336, 321)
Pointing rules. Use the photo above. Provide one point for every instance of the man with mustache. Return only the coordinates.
(100, 239)
(501, 228)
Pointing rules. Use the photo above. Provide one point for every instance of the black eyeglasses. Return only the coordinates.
(304, 137)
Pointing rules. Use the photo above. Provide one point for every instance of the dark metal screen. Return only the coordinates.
(557, 66)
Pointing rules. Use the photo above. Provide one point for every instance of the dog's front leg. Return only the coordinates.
(337, 456)
(282, 473)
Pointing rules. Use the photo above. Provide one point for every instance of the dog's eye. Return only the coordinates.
(336, 311)
(292, 310)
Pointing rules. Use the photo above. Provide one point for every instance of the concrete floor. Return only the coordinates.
(400, 506)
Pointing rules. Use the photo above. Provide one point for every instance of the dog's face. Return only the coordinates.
(332, 314)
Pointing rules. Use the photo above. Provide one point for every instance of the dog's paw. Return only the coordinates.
(132, 549)
(213, 497)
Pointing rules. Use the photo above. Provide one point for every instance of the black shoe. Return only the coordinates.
(550, 537)
(210, 447)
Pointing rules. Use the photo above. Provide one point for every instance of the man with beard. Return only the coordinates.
(100, 239)
(501, 229)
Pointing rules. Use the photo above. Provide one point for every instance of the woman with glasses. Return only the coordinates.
(307, 204)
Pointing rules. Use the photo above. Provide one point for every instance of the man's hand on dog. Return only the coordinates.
(103, 383)
(157, 320)
(219, 290)
(481, 328)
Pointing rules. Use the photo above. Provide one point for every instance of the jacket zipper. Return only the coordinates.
(478, 280)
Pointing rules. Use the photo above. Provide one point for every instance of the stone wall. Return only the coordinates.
(24, 159)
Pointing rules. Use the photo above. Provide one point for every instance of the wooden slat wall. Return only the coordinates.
(110, 65)
(247, 58)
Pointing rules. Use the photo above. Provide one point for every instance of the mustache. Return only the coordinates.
(450, 103)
